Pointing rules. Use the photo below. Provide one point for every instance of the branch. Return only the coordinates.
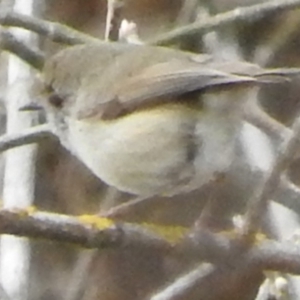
(10, 43)
(238, 282)
(27, 136)
(20, 165)
(54, 31)
(246, 14)
(233, 282)
(63, 34)
(276, 256)
(266, 255)
(288, 194)
(103, 233)
(113, 19)
(255, 115)
(85, 231)
(257, 206)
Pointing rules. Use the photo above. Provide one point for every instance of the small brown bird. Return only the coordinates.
(149, 120)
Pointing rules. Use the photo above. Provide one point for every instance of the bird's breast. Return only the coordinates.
(154, 151)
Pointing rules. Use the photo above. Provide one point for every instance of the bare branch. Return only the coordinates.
(275, 256)
(113, 19)
(10, 43)
(180, 288)
(233, 283)
(246, 14)
(85, 231)
(56, 32)
(188, 12)
(28, 136)
(80, 275)
(257, 206)
(255, 115)
(267, 255)
(266, 52)
(102, 233)
(240, 282)
(123, 208)
(64, 34)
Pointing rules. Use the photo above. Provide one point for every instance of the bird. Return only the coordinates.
(149, 120)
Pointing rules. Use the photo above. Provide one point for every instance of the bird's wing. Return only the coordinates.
(158, 83)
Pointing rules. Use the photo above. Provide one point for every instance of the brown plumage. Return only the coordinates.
(150, 120)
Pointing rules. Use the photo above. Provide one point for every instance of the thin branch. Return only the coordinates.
(10, 43)
(255, 115)
(245, 14)
(85, 231)
(180, 288)
(257, 206)
(266, 52)
(238, 282)
(64, 34)
(56, 32)
(122, 209)
(102, 233)
(80, 276)
(188, 12)
(20, 164)
(288, 194)
(231, 281)
(27, 136)
(113, 19)
(275, 256)
(217, 248)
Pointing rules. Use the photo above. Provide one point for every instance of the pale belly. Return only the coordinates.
(151, 153)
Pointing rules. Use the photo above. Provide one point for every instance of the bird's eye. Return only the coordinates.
(55, 100)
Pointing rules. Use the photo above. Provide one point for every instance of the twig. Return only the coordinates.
(266, 52)
(246, 14)
(188, 12)
(20, 164)
(56, 32)
(10, 43)
(257, 206)
(217, 248)
(179, 288)
(231, 281)
(123, 208)
(80, 275)
(64, 34)
(113, 19)
(27, 136)
(255, 115)
(85, 231)
(101, 233)
(288, 194)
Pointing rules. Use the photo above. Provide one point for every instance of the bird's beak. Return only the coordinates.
(31, 107)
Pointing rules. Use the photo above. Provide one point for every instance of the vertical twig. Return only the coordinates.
(113, 19)
(187, 12)
(269, 186)
(19, 177)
